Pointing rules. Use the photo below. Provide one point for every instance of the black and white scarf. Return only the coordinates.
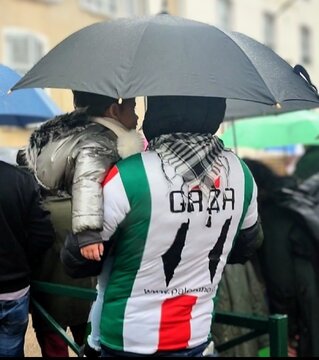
(197, 158)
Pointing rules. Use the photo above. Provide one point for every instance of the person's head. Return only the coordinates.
(181, 114)
(105, 106)
(269, 183)
(266, 179)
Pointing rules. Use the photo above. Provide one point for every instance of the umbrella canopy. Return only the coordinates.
(238, 109)
(23, 107)
(168, 55)
(299, 127)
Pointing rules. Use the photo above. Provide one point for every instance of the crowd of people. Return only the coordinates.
(288, 257)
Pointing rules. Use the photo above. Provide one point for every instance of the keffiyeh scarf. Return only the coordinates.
(197, 158)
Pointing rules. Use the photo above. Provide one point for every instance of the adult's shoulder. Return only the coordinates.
(16, 176)
(14, 169)
(139, 159)
(234, 158)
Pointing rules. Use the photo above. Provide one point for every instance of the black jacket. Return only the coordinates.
(246, 244)
(26, 231)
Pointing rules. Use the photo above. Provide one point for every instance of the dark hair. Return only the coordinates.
(95, 104)
(175, 114)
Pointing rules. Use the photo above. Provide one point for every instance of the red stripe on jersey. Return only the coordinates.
(217, 182)
(110, 175)
(175, 329)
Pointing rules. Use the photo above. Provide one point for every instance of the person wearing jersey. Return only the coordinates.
(176, 214)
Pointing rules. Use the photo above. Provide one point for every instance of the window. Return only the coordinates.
(305, 43)
(269, 30)
(22, 49)
(100, 7)
(224, 12)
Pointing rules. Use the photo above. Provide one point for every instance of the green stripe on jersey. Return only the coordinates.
(248, 191)
(128, 251)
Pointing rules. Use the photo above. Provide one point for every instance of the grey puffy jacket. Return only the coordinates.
(73, 153)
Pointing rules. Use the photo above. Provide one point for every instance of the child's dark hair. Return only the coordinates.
(95, 104)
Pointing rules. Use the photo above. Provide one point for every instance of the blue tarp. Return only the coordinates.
(23, 107)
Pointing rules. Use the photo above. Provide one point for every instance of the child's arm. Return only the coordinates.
(92, 164)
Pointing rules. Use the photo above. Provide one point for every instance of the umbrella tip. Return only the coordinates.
(278, 106)
(120, 100)
(9, 92)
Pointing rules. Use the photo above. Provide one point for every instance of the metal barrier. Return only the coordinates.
(275, 325)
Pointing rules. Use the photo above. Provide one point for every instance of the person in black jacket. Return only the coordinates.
(288, 257)
(26, 233)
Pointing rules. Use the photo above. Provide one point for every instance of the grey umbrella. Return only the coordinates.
(237, 109)
(277, 76)
(168, 55)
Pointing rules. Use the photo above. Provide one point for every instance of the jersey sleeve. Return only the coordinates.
(250, 206)
(251, 215)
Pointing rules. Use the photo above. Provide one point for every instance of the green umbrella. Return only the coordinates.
(298, 127)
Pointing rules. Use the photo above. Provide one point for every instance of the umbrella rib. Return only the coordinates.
(230, 37)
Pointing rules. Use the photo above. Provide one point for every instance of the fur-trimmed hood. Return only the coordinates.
(55, 129)
(60, 127)
(78, 125)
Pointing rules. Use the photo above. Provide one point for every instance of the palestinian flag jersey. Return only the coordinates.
(169, 252)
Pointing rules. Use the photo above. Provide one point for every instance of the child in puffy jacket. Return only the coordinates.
(72, 153)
